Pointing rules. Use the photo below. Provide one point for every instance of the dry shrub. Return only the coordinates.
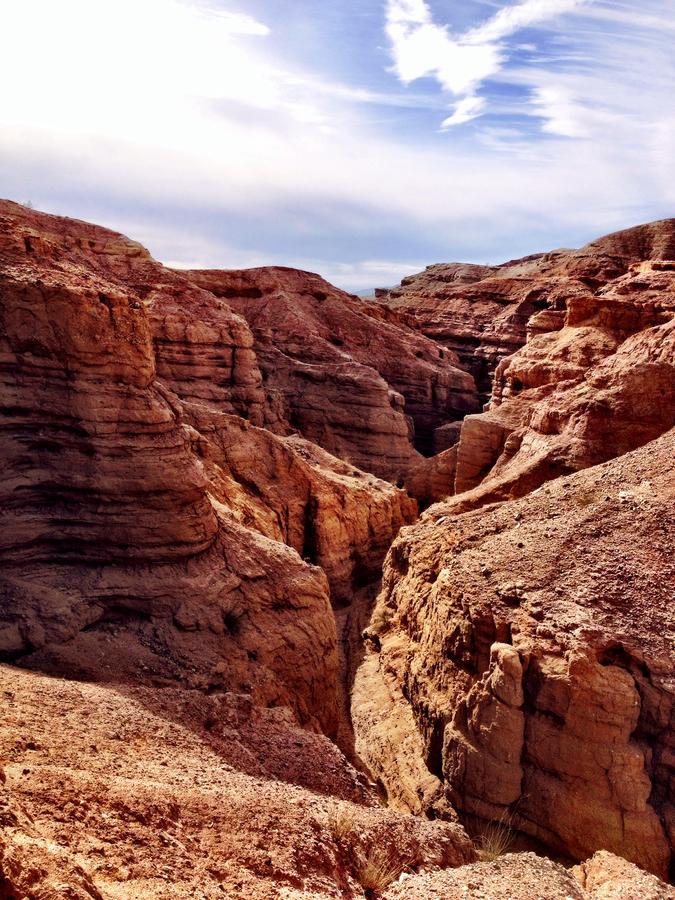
(342, 824)
(496, 839)
(379, 868)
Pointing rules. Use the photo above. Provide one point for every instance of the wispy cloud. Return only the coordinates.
(217, 140)
(460, 62)
(467, 109)
(513, 18)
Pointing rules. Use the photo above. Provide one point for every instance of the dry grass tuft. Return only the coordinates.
(379, 869)
(342, 824)
(496, 839)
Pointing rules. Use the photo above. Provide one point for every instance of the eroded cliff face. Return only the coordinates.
(178, 535)
(360, 383)
(485, 313)
(530, 643)
(148, 531)
(592, 383)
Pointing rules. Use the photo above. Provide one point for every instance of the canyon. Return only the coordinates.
(306, 595)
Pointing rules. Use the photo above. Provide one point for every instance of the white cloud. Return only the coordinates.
(520, 15)
(421, 48)
(560, 113)
(467, 109)
(169, 106)
(460, 63)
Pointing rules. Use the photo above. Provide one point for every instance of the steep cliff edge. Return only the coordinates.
(484, 313)
(530, 645)
(183, 561)
(595, 379)
(148, 531)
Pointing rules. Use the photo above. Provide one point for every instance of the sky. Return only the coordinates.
(362, 139)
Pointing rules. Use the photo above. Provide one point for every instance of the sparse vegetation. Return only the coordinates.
(496, 839)
(585, 498)
(380, 619)
(379, 868)
(341, 823)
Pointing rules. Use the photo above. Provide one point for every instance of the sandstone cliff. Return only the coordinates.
(131, 541)
(484, 313)
(528, 646)
(362, 384)
(594, 382)
(194, 525)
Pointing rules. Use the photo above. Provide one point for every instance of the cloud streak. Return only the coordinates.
(203, 134)
(460, 62)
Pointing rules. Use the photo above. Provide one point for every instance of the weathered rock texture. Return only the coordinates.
(531, 643)
(485, 313)
(172, 530)
(600, 383)
(349, 375)
(524, 876)
(147, 792)
(132, 541)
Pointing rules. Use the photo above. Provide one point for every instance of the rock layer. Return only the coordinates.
(147, 530)
(601, 383)
(532, 643)
(346, 374)
(485, 313)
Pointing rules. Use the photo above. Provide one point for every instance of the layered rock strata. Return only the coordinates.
(134, 544)
(601, 383)
(358, 382)
(485, 313)
(531, 645)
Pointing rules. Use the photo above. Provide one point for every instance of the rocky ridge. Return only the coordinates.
(134, 540)
(528, 648)
(349, 377)
(485, 313)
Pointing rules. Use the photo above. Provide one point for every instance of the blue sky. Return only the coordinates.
(363, 139)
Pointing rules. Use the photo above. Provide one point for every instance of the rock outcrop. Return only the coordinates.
(485, 313)
(153, 792)
(194, 523)
(601, 382)
(345, 373)
(132, 542)
(531, 642)
(524, 876)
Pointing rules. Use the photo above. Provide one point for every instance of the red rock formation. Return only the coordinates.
(156, 537)
(343, 372)
(524, 876)
(484, 313)
(601, 385)
(150, 792)
(133, 542)
(531, 644)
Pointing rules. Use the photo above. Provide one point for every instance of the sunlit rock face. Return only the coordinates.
(199, 488)
(146, 525)
(529, 644)
(486, 313)
(347, 374)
